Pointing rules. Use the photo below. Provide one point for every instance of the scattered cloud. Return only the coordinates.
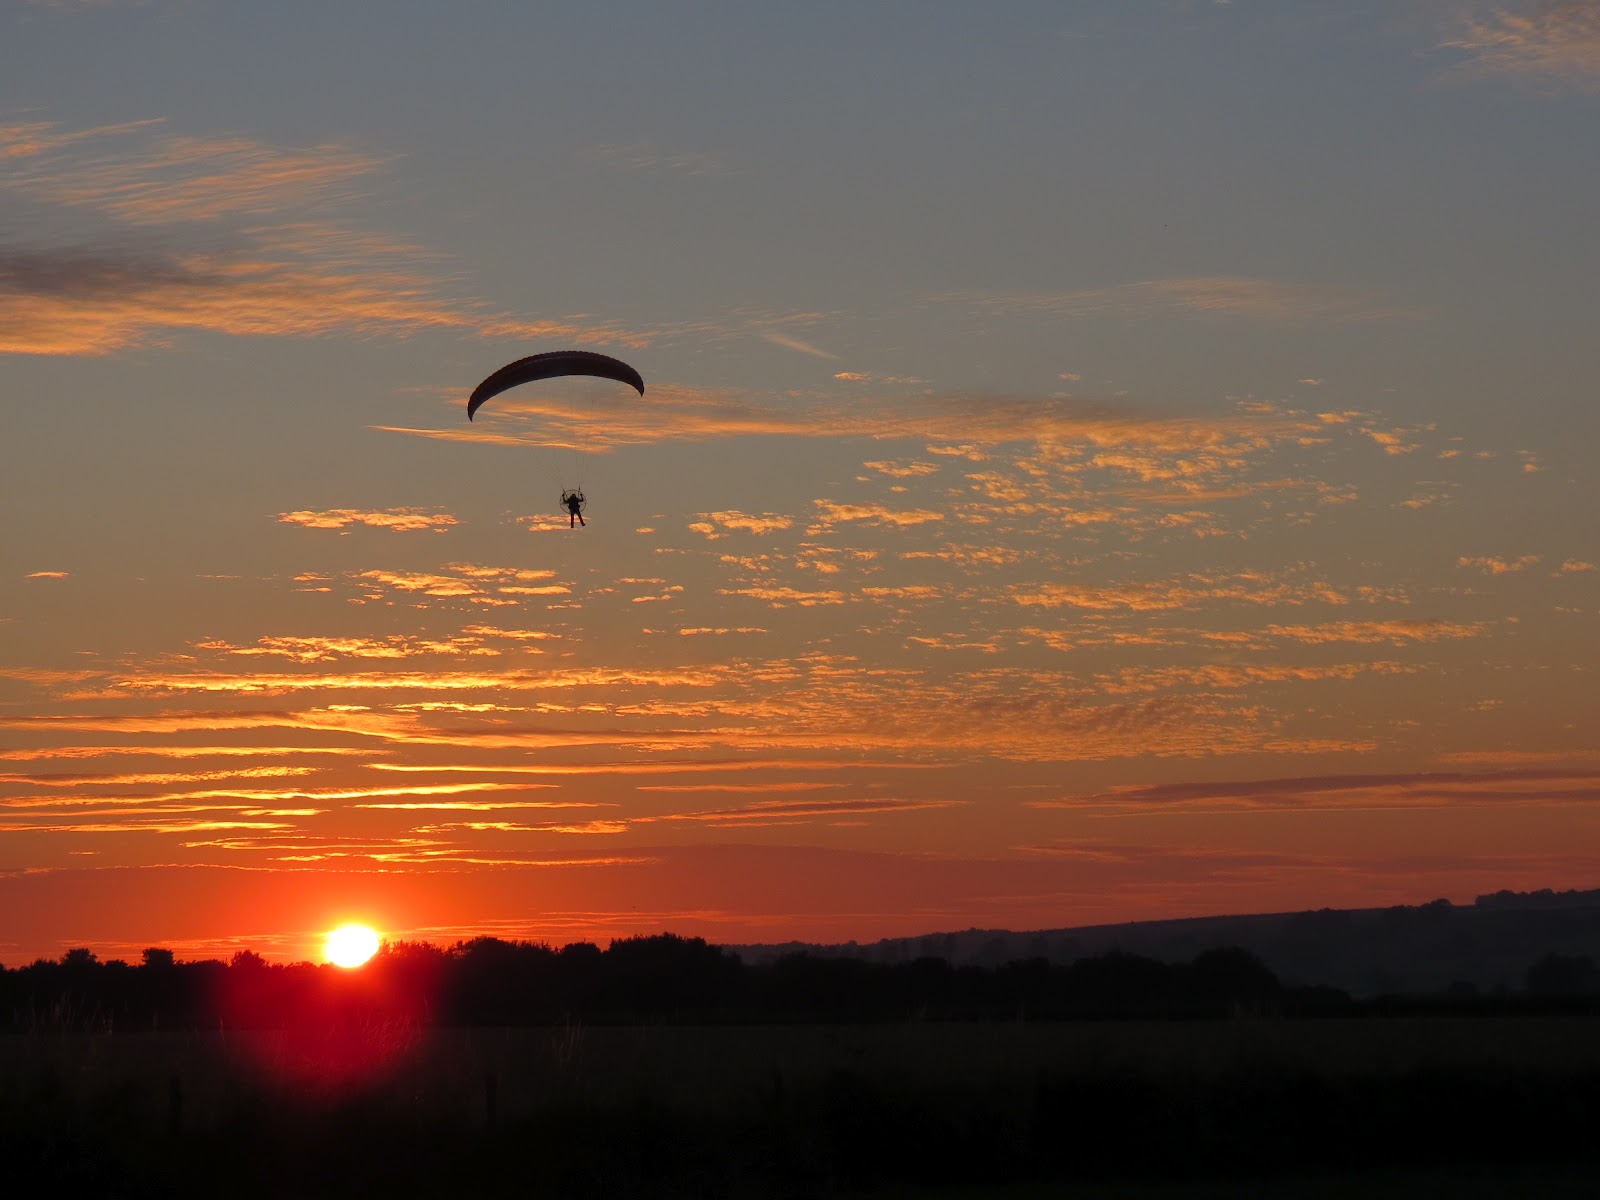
(1396, 631)
(873, 514)
(401, 520)
(1498, 566)
(329, 649)
(718, 524)
(1191, 591)
(897, 470)
(779, 597)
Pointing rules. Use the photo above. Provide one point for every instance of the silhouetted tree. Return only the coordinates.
(1563, 975)
(1228, 981)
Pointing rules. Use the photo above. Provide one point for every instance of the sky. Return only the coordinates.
(1099, 461)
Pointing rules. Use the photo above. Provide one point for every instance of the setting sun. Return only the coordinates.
(351, 945)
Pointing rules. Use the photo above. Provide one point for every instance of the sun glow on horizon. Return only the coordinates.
(351, 945)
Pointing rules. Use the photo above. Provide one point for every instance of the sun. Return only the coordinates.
(351, 945)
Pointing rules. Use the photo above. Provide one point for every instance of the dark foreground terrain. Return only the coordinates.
(1373, 1106)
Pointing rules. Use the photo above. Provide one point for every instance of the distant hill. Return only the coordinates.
(1486, 946)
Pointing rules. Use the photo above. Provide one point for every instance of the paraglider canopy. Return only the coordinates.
(550, 365)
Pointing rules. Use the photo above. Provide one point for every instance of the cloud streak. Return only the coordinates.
(1407, 789)
(223, 235)
(1210, 295)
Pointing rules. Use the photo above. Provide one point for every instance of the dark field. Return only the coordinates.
(1372, 1106)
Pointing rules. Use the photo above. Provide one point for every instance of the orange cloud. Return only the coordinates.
(902, 470)
(792, 785)
(167, 750)
(716, 524)
(1499, 566)
(938, 643)
(581, 827)
(874, 514)
(156, 826)
(262, 683)
(109, 779)
(661, 766)
(482, 805)
(1416, 789)
(1184, 592)
(1396, 631)
(1557, 39)
(794, 343)
(288, 270)
(778, 597)
(27, 139)
(477, 584)
(401, 520)
(327, 649)
(961, 425)
(764, 811)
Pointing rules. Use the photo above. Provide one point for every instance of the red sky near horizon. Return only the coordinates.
(1094, 466)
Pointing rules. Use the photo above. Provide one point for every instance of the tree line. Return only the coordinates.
(666, 978)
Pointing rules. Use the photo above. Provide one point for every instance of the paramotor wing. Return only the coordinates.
(550, 365)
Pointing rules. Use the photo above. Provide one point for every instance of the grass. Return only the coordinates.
(1411, 1107)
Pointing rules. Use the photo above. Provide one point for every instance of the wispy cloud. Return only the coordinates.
(1414, 789)
(168, 778)
(1218, 295)
(661, 766)
(1547, 39)
(954, 424)
(29, 139)
(638, 156)
(1396, 631)
(182, 179)
(791, 785)
(172, 233)
(170, 750)
(796, 344)
(329, 649)
(768, 811)
(1190, 591)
